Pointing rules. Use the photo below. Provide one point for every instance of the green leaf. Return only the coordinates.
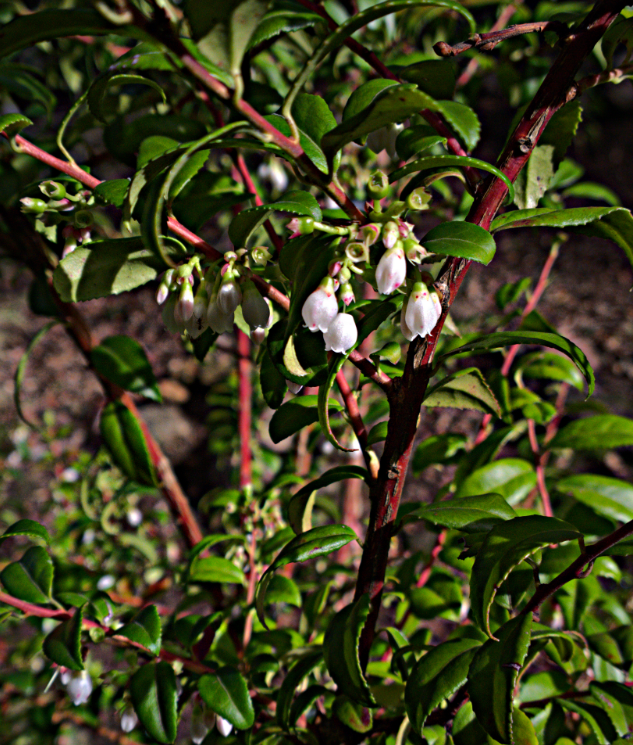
(353, 715)
(340, 651)
(272, 382)
(442, 161)
(123, 361)
(30, 578)
(436, 676)
(226, 693)
(63, 644)
(296, 414)
(461, 239)
(435, 77)
(247, 221)
(298, 506)
(195, 163)
(203, 343)
(610, 497)
(11, 124)
(378, 433)
(551, 366)
(508, 338)
(124, 438)
(144, 629)
(336, 363)
(315, 119)
(300, 358)
(223, 30)
(463, 120)
(601, 432)
(465, 389)
(437, 449)
(493, 674)
(365, 95)
(291, 683)
(109, 267)
(505, 547)
(26, 527)
(512, 478)
(155, 698)
(311, 148)
(599, 723)
(617, 702)
(282, 21)
(415, 140)
(112, 192)
(534, 179)
(470, 514)
(561, 129)
(615, 646)
(99, 88)
(309, 545)
(283, 590)
(215, 569)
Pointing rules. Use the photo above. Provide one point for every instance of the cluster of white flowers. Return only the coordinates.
(214, 303)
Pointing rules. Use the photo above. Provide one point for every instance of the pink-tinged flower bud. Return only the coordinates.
(173, 326)
(369, 234)
(162, 293)
(218, 321)
(341, 335)
(346, 293)
(224, 728)
(258, 335)
(414, 251)
(129, 720)
(70, 240)
(80, 688)
(301, 225)
(30, 204)
(334, 268)
(390, 234)
(295, 388)
(391, 271)
(184, 307)
(254, 308)
(229, 296)
(321, 307)
(405, 228)
(66, 675)
(85, 236)
(423, 310)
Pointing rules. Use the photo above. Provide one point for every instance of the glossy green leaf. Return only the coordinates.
(461, 239)
(551, 366)
(283, 590)
(215, 569)
(442, 161)
(311, 148)
(610, 497)
(315, 119)
(291, 683)
(195, 163)
(505, 547)
(617, 702)
(124, 438)
(300, 358)
(112, 192)
(599, 723)
(282, 21)
(296, 414)
(615, 646)
(308, 545)
(123, 361)
(377, 433)
(298, 504)
(470, 514)
(415, 140)
(463, 120)
(30, 578)
(601, 432)
(155, 698)
(336, 363)
(144, 629)
(340, 651)
(98, 90)
(109, 267)
(508, 338)
(512, 478)
(226, 693)
(535, 178)
(466, 389)
(493, 674)
(436, 676)
(63, 644)
(365, 95)
(26, 527)
(11, 124)
(435, 77)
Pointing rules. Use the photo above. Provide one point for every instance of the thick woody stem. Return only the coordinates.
(406, 394)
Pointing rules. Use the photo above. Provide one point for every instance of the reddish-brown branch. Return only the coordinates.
(486, 42)
(356, 420)
(540, 470)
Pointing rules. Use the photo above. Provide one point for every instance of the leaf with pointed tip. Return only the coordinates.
(505, 547)
(463, 120)
(465, 389)
(26, 527)
(296, 414)
(615, 646)
(291, 682)
(493, 674)
(144, 629)
(99, 88)
(30, 578)
(226, 693)
(155, 698)
(340, 651)
(601, 432)
(112, 192)
(602, 730)
(282, 21)
(215, 569)
(610, 497)
(415, 140)
(123, 361)
(11, 124)
(124, 438)
(63, 644)
(461, 239)
(436, 676)
(512, 478)
(535, 178)
(469, 514)
(336, 363)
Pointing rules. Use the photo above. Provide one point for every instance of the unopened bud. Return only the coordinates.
(254, 308)
(346, 293)
(33, 204)
(390, 234)
(129, 720)
(301, 225)
(258, 335)
(184, 307)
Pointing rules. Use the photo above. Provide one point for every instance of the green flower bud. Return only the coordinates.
(33, 204)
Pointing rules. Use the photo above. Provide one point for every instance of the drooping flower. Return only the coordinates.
(391, 270)
(254, 307)
(80, 687)
(341, 334)
(218, 321)
(390, 233)
(183, 309)
(321, 307)
(129, 720)
(423, 310)
(224, 728)
(229, 295)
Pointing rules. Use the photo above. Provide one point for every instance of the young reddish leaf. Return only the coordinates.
(154, 697)
(226, 693)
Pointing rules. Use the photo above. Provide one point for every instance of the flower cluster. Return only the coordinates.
(214, 303)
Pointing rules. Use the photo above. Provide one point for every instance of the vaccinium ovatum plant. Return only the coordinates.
(496, 610)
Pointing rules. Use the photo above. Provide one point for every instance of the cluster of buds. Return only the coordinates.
(218, 296)
(62, 207)
(79, 685)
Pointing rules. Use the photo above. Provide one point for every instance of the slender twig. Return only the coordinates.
(486, 42)
(356, 420)
(540, 469)
(607, 76)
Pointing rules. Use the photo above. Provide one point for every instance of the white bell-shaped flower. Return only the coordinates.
(218, 321)
(255, 309)
(423, 310)
(224, 728)
(229, 296)
(80, 688)
(129, 720)
(321, 306)
(391, 270)
(183, 310)
(341, 335)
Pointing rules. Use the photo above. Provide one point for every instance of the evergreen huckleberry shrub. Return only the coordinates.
(405, 515)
